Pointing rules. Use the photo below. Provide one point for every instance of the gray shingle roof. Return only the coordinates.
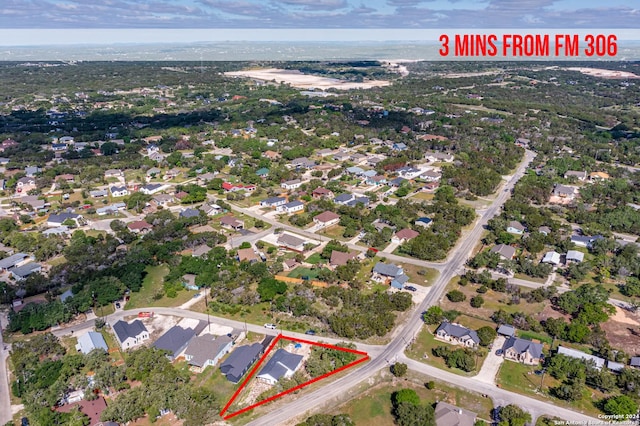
(175, 339)
(387, 269)
(280, 363)
(204, 348)
(458, 331)
(125, 330)
(239, 361)
(521, 345)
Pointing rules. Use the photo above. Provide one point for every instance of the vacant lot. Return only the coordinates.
(623, 331)
(305, 81)
(152, 288)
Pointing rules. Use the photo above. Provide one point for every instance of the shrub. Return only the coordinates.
(456, 296)
(477, 301)
(430, 385)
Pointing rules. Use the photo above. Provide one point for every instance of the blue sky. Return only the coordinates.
(371, 15)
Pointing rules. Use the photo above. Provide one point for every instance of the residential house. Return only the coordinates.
(55, 220)
(291, 207)
(399, 146)
(565, 192)
(131, 334)
(25, 184)
(67, 177)
(200, 250)
(597, 362)
(92, 409)
(341, 156)
(204, 178)
(358, 158)
(324, 152)
(409, 172)
(206, 350)
(544, 230)
(113, 173)
(22, 272)
(157, 157)
(172, 174)
(281, 365)
(515, 227)
(60, 230)
(263, 172)
(521, 350)
(377, 180)
(291, 242)
(635, 361)
(302, 163)
(273, 202)
(340, 258)
(457, 334)
(15, 261)
(575, 256)
(364, 200)
(506, 330)
(66, 295)
(152, 188)
(247, 255)
(505, 251)
(431, 176)
(438, 156)
(232, 222)
(153, 172)
(240, 361)
(139, 227)
(404, 235)
(31, 171)
(585, 240)
(90, 341)
(383, 272)
(423, 221)
(327, 218)
(397, 182)
(189, 282)
(291, 184)
(355, 170)
(320, 193)
(344, 198)
(271, 155)
(188, 213)
(235, 187)
(449, 415)
(119, 191)
(110, 209)
(581, 176)
(174, 341)
(163, 199)
(552, 258)
(98, 193)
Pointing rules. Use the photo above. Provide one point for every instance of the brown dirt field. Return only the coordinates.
(623, 331)
(549, 312)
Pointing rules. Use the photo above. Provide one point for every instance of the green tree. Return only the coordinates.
(405, 396)
(456, 296)
(476, 301)
(399, 369)
(620, 405)
(512, 415)
(486, 335)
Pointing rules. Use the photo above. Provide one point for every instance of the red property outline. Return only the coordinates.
(365, 357)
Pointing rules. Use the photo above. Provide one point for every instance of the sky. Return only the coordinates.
(19, 19)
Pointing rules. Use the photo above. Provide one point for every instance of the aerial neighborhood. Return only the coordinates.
(186, 252)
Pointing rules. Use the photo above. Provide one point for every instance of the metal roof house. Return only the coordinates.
(240, 361)
(12, 261)
(572, 353)
(507, 330)
(90, 341)
(282, 364)
(22, 272)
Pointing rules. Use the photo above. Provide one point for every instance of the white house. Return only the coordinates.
(281, 365)
(119, 191)
(327, 218)
(291, 184)
(552, 258)
(291, 207)
(130, 335)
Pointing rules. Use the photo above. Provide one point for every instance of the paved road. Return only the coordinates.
(395, 350)
(88, 325)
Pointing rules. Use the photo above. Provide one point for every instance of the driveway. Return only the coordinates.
(492, 363)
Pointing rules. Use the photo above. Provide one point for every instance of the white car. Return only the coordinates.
(270, 326)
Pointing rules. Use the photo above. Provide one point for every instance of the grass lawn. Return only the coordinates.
(521, 379)
(424, 196)
(419, 274)
(334, 232)
(314, 259)
(528, 278)
(304, 272)
(152, 285)
(420, 350)
(59, 260)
